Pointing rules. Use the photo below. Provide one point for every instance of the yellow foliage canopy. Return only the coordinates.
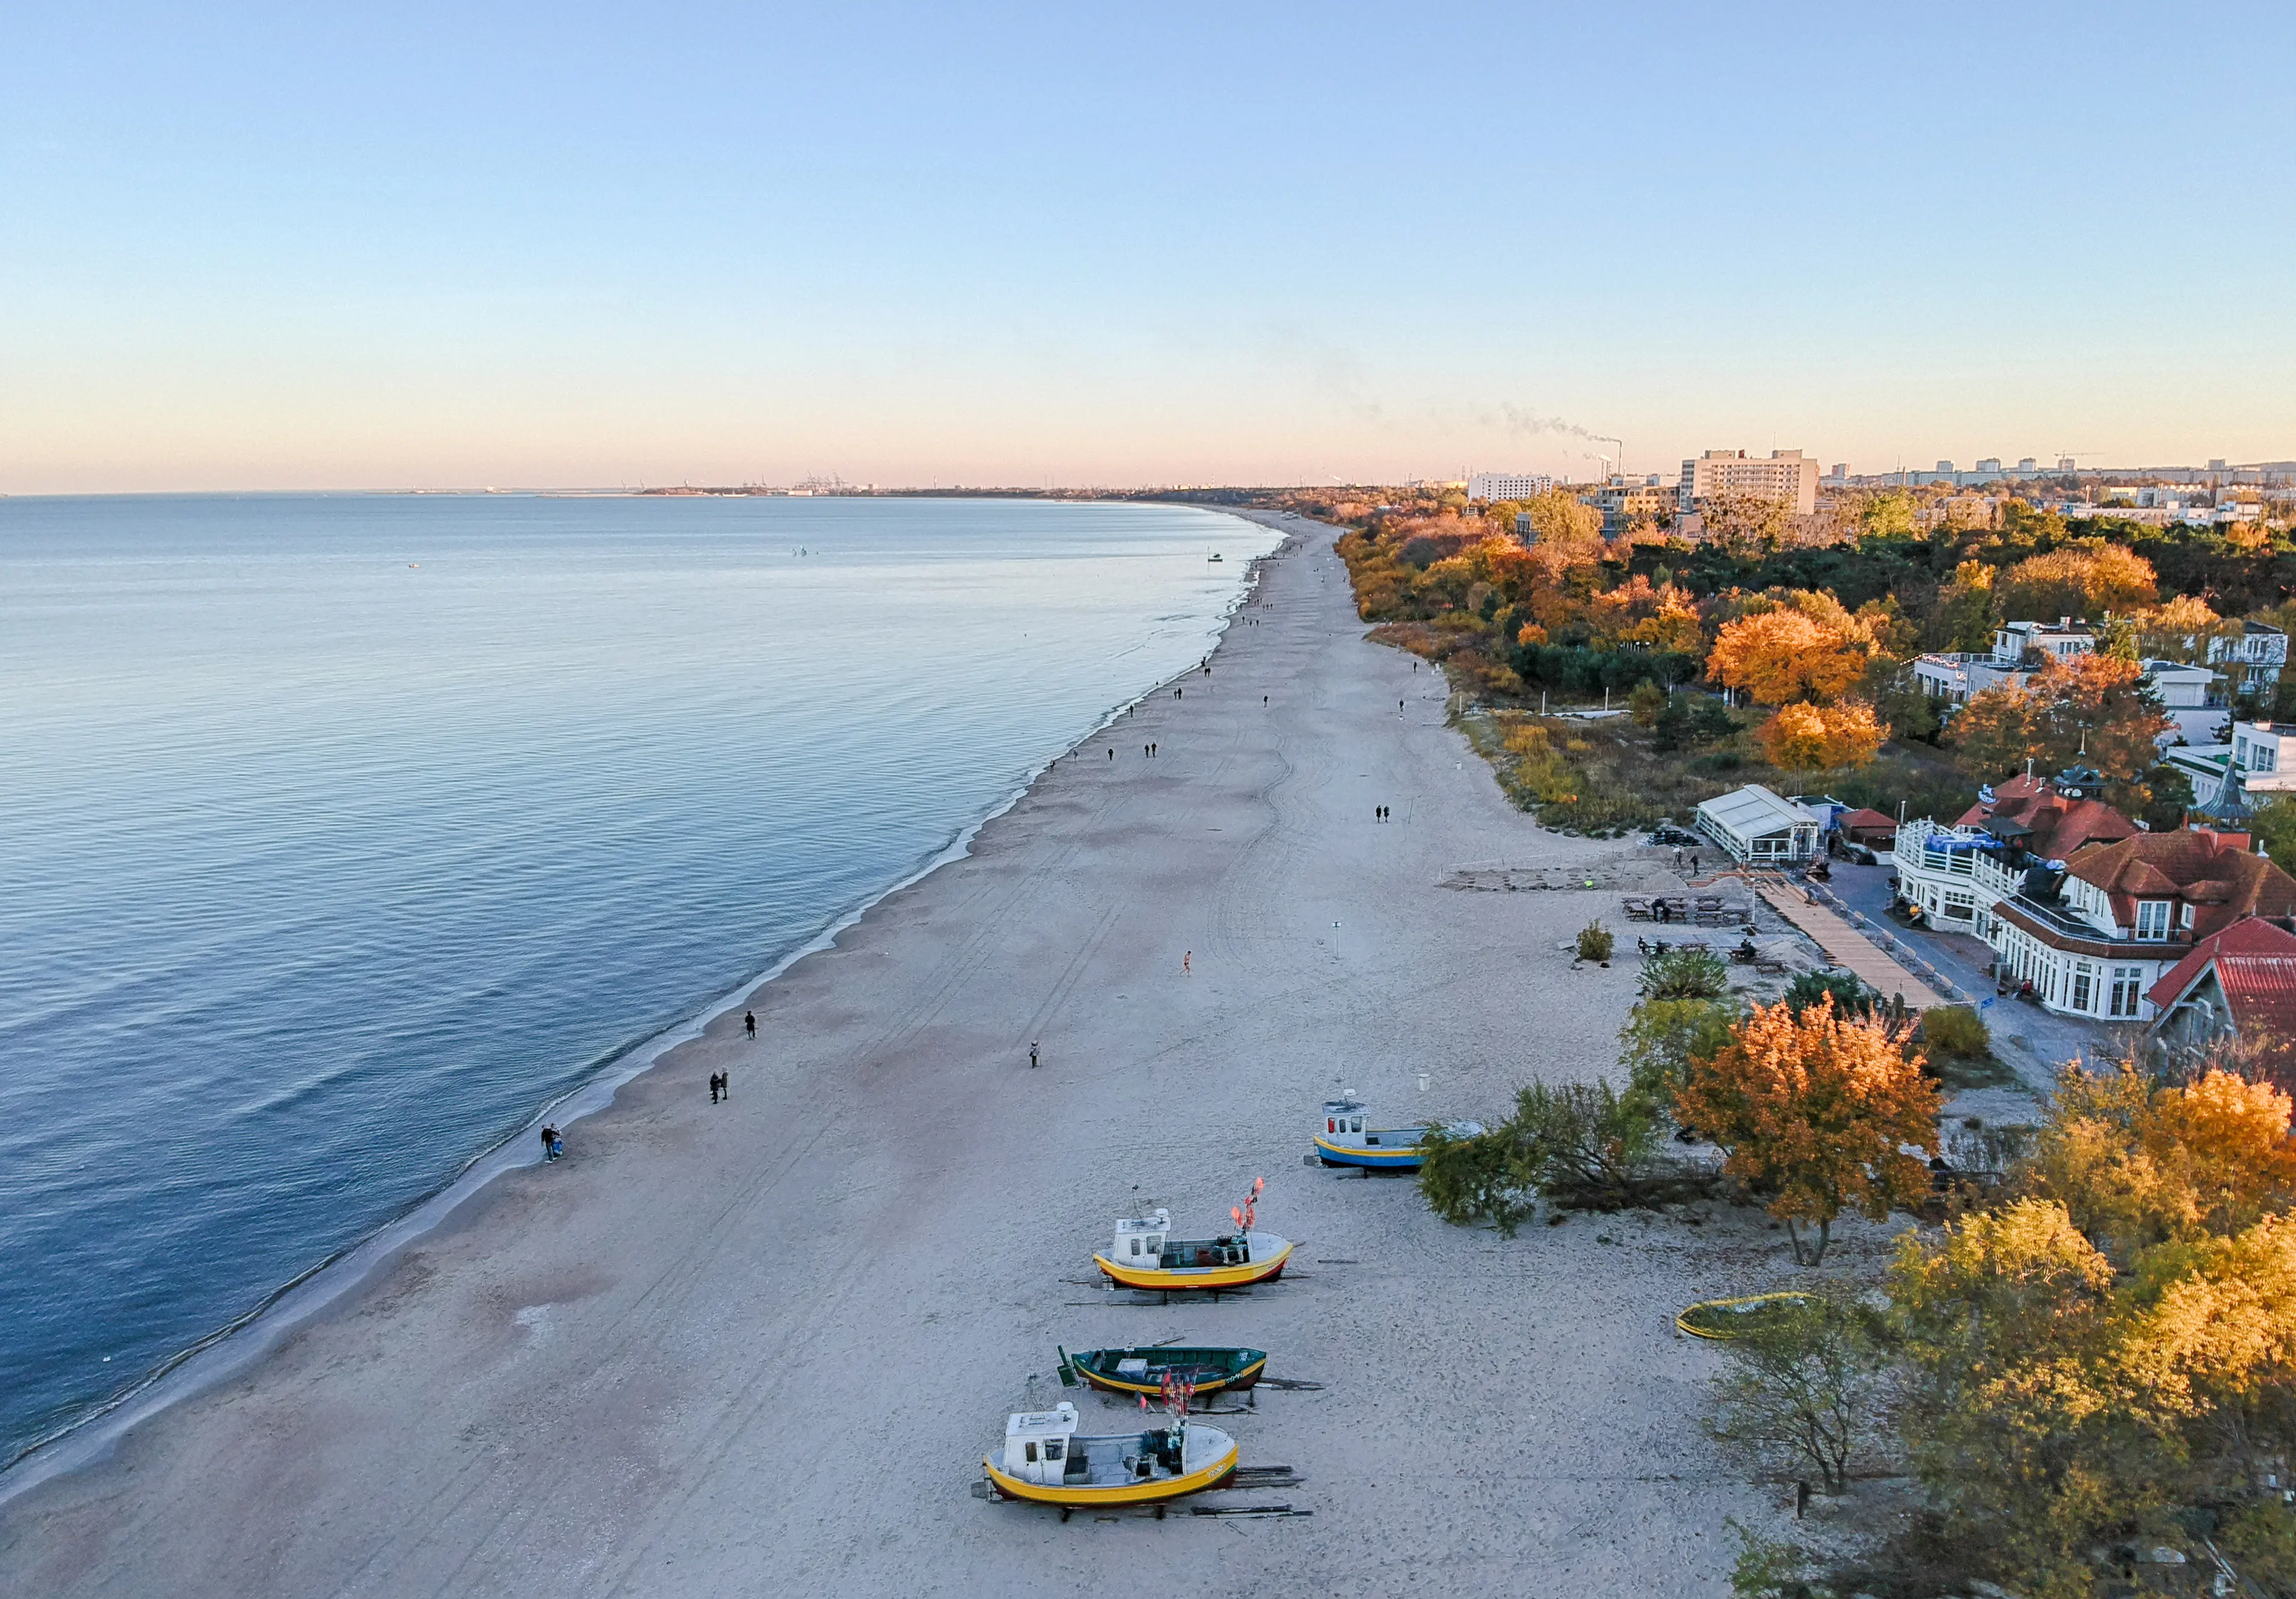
(2078, 582)
(1803, 738)
(2138, 1166)
(1785, 655)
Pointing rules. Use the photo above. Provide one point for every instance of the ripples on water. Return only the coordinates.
(337, 835)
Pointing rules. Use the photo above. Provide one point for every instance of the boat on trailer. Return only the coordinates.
(1145, 1254)
(1146, 1371)
(1045, 1460)
(1347, 1138)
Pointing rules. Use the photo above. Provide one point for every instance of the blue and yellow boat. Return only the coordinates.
(1345, 1138)
(1044, 1462)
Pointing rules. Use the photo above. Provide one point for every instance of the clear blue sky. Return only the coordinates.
(415, 245)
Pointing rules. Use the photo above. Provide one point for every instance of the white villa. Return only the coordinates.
(1954, 676)
(1955, 876)
(2263, 754)
(2095, 938)
(2191, 699)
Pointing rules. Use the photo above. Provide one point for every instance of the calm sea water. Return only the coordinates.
(338, 835)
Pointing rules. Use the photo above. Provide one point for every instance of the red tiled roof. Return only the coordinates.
(2224, 881)
(2058, 826)
(1861, 819)
(2255, 964)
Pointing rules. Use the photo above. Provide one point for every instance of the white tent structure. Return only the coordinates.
(1759, 828)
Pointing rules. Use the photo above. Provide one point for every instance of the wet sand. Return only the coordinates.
(760, 1347)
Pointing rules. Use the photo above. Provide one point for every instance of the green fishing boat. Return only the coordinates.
(1146, 1370)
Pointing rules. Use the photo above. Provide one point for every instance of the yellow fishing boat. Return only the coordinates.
(1044, 1461)
(1145, 1255)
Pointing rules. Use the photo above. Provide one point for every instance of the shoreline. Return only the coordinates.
(334, 1285)
(777, 1334)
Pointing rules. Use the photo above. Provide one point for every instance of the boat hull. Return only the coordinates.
(1154, 1491)
(1211, 1277)
(1406, 1158)
(1203, 1379)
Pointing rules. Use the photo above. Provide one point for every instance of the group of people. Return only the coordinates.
(1379, 812)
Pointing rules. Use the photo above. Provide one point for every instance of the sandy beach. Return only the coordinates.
(760, 1347)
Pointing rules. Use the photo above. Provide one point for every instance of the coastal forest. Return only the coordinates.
(1776, 649)
(2078, 1363)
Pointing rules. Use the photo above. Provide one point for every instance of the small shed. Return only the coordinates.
(1760, 827)
(1870, 828)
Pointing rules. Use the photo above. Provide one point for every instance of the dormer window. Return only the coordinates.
(2153, 918)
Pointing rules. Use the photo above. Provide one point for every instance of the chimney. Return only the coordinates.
(2221, 841)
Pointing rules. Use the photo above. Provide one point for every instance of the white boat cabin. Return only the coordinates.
(1037, 1444)
(1343, 1121)
(1345, 1125)
(1145, 1243)
(1140, 1239)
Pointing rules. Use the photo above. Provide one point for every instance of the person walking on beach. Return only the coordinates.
(1032, 1055)
(1185, 958)
(551, 1147)
(750, 1022)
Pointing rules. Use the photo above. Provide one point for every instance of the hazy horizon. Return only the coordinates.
(243, 249)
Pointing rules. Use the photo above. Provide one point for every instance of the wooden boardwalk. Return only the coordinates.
(1848, 947)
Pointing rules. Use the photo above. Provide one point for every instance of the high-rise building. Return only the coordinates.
(1489, 486)
(1787, 476)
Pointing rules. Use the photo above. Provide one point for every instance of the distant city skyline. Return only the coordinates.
(540, 246)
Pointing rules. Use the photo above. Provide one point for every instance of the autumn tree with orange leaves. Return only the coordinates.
(1783, 656)
(1817, 1112)
(2093, 708)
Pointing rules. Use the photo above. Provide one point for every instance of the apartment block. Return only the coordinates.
(1489, 486)
(1787, 476)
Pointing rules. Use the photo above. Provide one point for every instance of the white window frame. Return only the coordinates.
(2152, 919)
